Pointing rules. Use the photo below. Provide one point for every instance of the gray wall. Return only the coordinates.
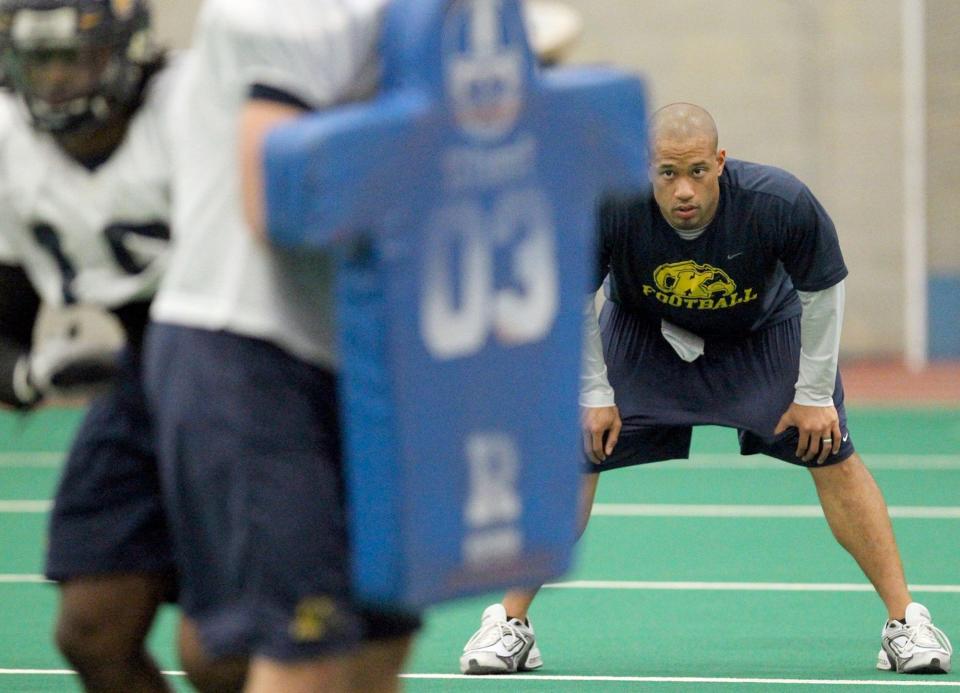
(943, 102)
(173, 20)
(814, 86)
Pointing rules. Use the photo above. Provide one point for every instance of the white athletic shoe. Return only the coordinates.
(914, 647)
(500, 646)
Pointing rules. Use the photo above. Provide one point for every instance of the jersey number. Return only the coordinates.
(455, 324)
(120, 238)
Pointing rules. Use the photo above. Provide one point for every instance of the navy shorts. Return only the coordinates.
(251, 469)
(746, 384)
(107, 516)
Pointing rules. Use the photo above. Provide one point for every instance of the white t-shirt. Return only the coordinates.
(87, 236)
(8, 251)
(322, 52)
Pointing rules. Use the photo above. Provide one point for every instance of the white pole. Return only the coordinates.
(913, 14)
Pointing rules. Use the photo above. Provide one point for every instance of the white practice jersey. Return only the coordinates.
(87, 236)
(8, 112)
(321, 52)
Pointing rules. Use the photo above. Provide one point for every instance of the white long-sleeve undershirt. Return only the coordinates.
(819, 345)
(595, 390)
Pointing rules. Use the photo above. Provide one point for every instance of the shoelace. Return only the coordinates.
(505, 628)
(928, 635)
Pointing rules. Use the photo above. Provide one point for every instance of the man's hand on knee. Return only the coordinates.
(601, 429)
(818, 430)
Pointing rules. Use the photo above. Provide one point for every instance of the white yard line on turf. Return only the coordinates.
(24, 507)
(23, 579)
(737, 510)
(894, 680)
(877, 461)
(651, 510)
(737, 586)
(31, 460)
(533, 678)
(61, 672)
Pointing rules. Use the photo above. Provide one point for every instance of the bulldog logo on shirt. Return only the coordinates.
(687, 279)
(692, 285)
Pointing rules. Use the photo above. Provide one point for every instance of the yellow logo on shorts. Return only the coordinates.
(692, 285)
(312, 618)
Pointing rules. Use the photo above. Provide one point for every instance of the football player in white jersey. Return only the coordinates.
(240, 363)
(84, 211)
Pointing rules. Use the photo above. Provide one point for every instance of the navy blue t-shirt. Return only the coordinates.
(769, 236)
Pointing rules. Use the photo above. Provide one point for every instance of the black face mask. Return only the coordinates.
(73, 62)
(68, 90)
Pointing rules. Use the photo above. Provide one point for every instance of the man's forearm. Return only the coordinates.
(820, 327)
(595, 389)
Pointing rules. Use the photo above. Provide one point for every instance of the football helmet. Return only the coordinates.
(74, 62)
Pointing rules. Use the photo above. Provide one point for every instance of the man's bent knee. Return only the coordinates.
(106, 619)
(89, 643)
(208, 674)
(851, 464)
(216, 675)
(377, 666)
(107, 659)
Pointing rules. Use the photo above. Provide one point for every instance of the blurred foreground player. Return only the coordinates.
(83, 175)
(84, 181)
(241, 363)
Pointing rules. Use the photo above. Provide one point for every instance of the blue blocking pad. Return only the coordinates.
(461, 204)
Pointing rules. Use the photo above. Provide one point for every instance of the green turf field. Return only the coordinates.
(716, 574)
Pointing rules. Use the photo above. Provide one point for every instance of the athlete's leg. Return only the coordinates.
(108, 545)
(206, 673)
(373, 668)
(331, 674)
(376, 667)
(241, 498)
(851, 501)
(505, 642)
(517, 602)
(102, 626)
(857, 515)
